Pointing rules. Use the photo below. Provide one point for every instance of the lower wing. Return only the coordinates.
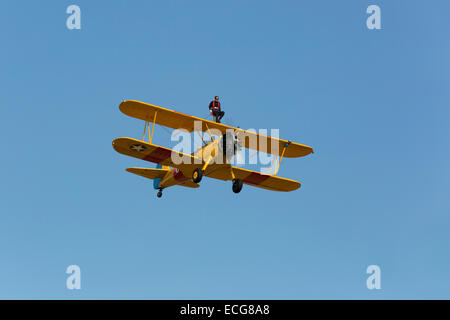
(153, 153)
(156, 154)
(256, 179)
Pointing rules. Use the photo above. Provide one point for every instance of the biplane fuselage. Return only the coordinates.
(175, 176)
(212, 160)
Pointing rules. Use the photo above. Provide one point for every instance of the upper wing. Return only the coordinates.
(177, 120)
(256, 179)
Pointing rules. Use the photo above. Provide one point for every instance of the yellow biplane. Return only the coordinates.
(211, 160)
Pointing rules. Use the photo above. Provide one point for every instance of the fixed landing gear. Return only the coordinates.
(237, 185)
(197, 175)
(159, 194)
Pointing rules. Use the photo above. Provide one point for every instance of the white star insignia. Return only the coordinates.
(137, 147)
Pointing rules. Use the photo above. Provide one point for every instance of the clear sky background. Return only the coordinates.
(374, 105)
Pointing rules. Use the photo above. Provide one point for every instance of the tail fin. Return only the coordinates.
(157, 181)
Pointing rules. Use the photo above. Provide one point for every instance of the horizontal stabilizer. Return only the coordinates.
(148, 172)
(189, 184)
(158, 174)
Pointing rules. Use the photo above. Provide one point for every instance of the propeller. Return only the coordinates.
(231, 146)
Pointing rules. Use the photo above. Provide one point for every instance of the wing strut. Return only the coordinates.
(147, 128)
(209, 132)
(153, 128)
(281, 158)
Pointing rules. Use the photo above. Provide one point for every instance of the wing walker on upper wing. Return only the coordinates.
(211, 160)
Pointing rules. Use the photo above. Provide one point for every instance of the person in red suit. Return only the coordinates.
(214, 107)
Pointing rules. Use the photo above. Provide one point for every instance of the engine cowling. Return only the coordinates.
(229, 145)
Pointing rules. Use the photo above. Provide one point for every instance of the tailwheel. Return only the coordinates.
(237, 185)
(197, 175)
(159, 194)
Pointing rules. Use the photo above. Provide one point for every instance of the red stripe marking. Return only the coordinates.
(178, 175)
(256, 178)
(158, 155)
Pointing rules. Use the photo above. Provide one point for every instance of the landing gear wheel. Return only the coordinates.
(237, 185)
(159, 194)
(197, 175)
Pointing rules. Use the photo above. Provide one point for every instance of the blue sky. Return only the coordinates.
(372, 103)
